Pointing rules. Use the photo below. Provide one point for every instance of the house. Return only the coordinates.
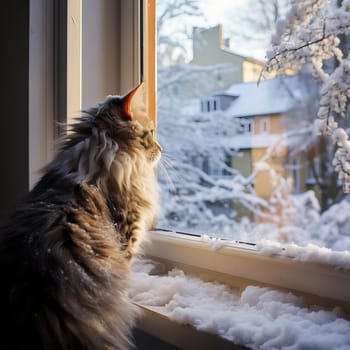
(210, 48)
(262, 114)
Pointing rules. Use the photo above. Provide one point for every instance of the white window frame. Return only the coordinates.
(237, 265)
(242, 264)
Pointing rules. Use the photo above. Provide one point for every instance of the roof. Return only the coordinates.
(273, 96)
(222, 47)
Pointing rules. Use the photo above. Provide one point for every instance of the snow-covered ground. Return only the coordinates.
(259, 318)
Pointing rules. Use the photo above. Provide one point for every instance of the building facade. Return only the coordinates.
(210, 48)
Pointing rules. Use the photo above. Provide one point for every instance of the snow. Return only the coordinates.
(269, 97)
(260, 318)
(253, 141)
(309, 253)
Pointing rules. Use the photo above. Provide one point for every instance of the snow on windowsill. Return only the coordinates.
(310, 253)
(257, 317)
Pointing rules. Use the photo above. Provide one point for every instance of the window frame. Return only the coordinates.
(240, 264)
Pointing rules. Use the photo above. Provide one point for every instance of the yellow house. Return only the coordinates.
(260, 113)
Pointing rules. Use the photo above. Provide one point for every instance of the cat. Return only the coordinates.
(65, 253)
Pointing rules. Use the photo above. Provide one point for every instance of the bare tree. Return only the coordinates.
(255, 23)
(174, 30)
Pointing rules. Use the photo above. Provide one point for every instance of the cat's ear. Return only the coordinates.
(128, 99)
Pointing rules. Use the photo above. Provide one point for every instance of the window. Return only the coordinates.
(277, 196)
(246, 125)
(264, 125)
(210, 105)
(216, 168)
(226, 208)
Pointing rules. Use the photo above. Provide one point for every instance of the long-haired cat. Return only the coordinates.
(65, 253)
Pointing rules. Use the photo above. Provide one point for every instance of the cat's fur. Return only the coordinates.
(65, 253)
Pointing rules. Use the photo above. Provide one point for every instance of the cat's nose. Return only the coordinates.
(160, 148)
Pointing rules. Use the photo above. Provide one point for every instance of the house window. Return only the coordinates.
(210, 105)
(246, 125)
(217, 168)
(264, 125)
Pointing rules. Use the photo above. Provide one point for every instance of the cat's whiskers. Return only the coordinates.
(170, 182)
(170, 163)
(166, 166)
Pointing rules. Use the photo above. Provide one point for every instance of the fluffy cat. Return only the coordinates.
(65, 253)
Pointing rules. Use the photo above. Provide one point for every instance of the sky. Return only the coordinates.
(225, 12)
(221, 11)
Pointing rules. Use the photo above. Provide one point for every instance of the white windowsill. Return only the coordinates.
(238, 266)
(241, 265)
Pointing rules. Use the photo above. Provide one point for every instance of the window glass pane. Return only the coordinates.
(241, 160)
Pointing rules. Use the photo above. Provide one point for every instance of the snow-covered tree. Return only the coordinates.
(192, 199)
(317, 151)
(190, 138)
(316, 33)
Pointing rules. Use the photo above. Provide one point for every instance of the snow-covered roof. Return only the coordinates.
(271, 96)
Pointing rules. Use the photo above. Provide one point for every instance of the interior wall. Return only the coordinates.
(29, 76)
(14, 29)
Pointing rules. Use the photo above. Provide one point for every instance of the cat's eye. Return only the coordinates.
(153, 133)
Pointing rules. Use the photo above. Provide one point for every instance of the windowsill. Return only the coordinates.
(240, 265)
(237, 266)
